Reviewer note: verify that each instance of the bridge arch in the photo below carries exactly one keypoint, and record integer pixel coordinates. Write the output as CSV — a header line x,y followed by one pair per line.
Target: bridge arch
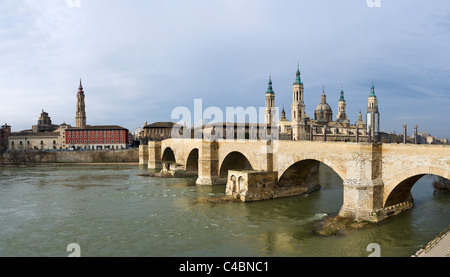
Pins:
x,y
192,160
309,161
398,190
168,156
302,176
234,160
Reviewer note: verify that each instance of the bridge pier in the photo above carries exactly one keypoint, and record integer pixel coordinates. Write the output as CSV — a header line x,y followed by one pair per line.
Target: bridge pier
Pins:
x,y
363,184
154,155
361,199
208,164
143,154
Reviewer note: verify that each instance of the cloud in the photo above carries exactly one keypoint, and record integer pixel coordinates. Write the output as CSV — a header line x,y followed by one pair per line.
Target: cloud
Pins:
x,y
140,59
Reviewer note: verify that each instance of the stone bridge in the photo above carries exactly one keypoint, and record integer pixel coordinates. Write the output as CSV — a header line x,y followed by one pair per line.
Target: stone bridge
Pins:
x,y
377,178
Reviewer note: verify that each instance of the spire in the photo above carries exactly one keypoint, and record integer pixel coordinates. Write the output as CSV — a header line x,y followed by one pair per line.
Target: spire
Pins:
x,y
269,89
298,79
323,98
360,119
283,114
80,88
372,91
342,94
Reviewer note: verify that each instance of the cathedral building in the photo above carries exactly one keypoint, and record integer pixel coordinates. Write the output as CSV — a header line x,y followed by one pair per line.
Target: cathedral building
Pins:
x,y
322,127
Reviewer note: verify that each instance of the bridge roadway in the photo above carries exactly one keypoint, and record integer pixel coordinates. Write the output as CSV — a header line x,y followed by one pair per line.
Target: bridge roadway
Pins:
x,y
377,178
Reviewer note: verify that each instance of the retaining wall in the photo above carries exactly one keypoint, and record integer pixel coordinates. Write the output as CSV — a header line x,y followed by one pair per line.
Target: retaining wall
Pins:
x,y
97,156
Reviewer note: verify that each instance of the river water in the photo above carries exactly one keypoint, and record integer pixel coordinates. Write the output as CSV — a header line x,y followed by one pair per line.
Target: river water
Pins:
x,y
110,211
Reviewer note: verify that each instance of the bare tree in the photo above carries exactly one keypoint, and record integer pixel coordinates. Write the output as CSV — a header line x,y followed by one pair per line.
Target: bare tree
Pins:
x,y
441,185
22,157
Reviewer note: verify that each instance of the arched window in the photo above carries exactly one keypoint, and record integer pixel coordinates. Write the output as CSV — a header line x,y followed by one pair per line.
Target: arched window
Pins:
x,y
240,183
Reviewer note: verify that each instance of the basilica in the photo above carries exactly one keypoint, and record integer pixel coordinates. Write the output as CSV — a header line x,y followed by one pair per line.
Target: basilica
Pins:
x,y
322,127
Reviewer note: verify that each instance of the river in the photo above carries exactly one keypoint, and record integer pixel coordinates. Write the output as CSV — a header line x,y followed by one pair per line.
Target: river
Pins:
x,y
110,211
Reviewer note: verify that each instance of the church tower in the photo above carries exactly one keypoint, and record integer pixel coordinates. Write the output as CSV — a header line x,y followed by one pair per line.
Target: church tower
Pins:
x,y
373,116
342,116
270,104
80,118
298,109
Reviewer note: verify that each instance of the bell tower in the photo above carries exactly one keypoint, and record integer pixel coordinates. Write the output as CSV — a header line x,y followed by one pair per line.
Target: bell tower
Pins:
x,y
298,109
342,116
373,116
80,118
270,104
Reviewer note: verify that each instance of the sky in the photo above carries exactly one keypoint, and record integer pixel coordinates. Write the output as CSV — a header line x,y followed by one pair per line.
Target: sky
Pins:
x,y
139,60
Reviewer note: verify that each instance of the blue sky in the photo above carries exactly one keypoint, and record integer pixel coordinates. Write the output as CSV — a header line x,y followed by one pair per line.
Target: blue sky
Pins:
x,y
141,59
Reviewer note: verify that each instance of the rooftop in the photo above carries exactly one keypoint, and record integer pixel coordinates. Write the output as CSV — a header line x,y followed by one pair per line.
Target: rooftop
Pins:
x,y
98,127
160,125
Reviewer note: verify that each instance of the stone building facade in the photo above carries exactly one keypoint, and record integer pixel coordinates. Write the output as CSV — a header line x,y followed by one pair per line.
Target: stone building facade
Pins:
x,y
157,131
43,136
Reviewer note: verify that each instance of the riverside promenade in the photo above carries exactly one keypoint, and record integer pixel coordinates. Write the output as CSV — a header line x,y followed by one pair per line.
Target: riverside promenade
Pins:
x,y
438,247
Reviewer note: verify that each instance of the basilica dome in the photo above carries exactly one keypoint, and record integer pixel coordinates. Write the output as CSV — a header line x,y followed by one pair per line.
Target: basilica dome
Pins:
x,y
323,111
323,106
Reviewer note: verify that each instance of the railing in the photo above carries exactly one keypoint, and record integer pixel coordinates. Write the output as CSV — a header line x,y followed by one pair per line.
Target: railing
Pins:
x,y
432,243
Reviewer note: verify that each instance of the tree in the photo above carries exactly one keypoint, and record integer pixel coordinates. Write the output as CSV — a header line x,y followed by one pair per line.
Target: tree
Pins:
x,y
441,185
